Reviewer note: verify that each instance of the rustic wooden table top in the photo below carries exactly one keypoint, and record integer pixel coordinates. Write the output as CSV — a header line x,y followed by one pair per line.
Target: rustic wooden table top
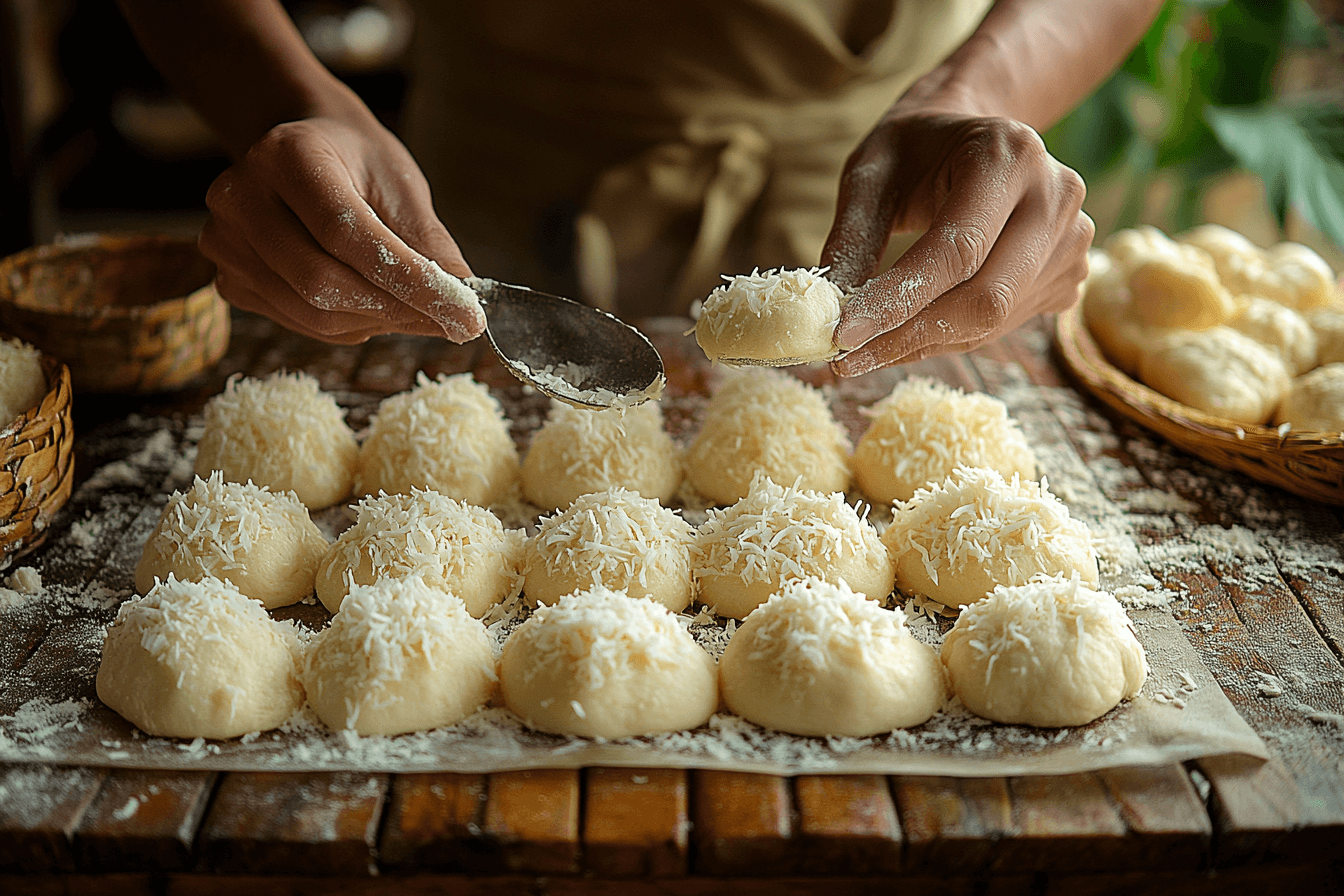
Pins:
x,y
1207,825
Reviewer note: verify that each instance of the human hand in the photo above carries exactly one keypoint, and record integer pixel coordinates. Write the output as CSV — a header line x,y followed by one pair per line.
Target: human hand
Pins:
x,y
327,227
1005,237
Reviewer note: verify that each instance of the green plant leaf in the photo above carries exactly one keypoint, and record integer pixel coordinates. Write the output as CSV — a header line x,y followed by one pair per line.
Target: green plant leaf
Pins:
x,y
1095,136
1248,39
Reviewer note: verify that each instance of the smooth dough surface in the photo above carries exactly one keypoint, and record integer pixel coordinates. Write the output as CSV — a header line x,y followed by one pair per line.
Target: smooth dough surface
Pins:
x,y
1315,401
598,663
1174,291
23,384
199,659
1049,653
956,541
774,318
820,659
454,546
1110,316
262,541
923,429
402,655
282,432
614,538
448,435
1220,371
1280,328
1328,325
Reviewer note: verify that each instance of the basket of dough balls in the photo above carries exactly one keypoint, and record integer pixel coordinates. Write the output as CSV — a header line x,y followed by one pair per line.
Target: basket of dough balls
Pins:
x,y
131,314
1232,352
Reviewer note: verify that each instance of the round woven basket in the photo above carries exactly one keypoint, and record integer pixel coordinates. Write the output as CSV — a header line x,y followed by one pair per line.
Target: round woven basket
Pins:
x,y
126,313
1308,464
36,466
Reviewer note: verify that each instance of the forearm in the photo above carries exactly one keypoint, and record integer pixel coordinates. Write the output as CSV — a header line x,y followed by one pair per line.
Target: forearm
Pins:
x,y
241,63
1034,60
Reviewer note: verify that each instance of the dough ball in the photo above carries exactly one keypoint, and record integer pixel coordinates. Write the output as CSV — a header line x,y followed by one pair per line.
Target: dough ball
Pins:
x,y
1219,371
1173,291
447,434
453,546
262,542
599,663
282,432
1315,401
1296,276
1280,328
774,318
402,655
745,553
199,659
1132,246
1237,260
1328,325
923,429
614,538
1110,316
1049,653
578,451
955,541
819,659
764,421
23,384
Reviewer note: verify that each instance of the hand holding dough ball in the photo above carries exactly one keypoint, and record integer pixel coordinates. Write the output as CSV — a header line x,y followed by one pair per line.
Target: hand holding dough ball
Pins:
x,y
23,384
774,319
199,659
1281,329
1315,401
402,655
448,435
613,538
767,422
1171,291
1219,371
599,663
747,552
923,429
955,541
282,432
579,451
819,659
454,546
262,542
1049,653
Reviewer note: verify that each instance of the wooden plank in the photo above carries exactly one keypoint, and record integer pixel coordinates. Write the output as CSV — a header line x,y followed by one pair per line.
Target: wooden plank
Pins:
x,y
1065,823
143,821
40,807
952,822
743,823
278,823
846,824
1165,816
532,817
635,822
435,822
1253,881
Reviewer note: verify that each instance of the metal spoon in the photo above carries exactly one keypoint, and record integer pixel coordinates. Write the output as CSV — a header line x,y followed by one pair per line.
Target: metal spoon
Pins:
x,y
578,354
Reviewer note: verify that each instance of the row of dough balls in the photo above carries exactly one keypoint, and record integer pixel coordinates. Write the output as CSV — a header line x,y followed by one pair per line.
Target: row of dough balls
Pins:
x,y
1214,322
23,383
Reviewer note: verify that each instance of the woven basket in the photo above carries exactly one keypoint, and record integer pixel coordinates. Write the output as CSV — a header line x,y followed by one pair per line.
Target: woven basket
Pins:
x,y
127,314
36,466
1308,464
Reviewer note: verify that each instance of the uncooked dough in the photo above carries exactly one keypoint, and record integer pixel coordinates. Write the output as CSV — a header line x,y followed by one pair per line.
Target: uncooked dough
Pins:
x,y
1315,401
1294,275
774,318
282,432
1173,291
402,655
1219,371
1328,325
447,434
454,546
923,429
199,659
1237,260
1110,315
745,553
614,538
599,663
957,540
262,541
23,384
1280,328
820,659
1049,653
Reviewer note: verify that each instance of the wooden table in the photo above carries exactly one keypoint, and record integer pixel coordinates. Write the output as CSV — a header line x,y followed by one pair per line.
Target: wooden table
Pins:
x,y
1209,825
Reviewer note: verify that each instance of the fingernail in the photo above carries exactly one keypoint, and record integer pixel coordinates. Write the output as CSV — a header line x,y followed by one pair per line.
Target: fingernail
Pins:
x,y
854,333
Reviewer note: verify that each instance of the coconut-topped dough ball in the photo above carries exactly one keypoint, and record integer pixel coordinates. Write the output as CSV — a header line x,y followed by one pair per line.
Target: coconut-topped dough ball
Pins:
x,y
199,659
448,435
820,659
23,384
402,655
1219,371
923,429
578,451
767,422
614,538
262,541
745,553
956,541
599,663
454,546
1049,653
1315,401
774,318
1280,328
282,432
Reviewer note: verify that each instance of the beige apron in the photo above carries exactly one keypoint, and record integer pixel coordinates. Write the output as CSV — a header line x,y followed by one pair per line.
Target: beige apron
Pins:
x,y
633,152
